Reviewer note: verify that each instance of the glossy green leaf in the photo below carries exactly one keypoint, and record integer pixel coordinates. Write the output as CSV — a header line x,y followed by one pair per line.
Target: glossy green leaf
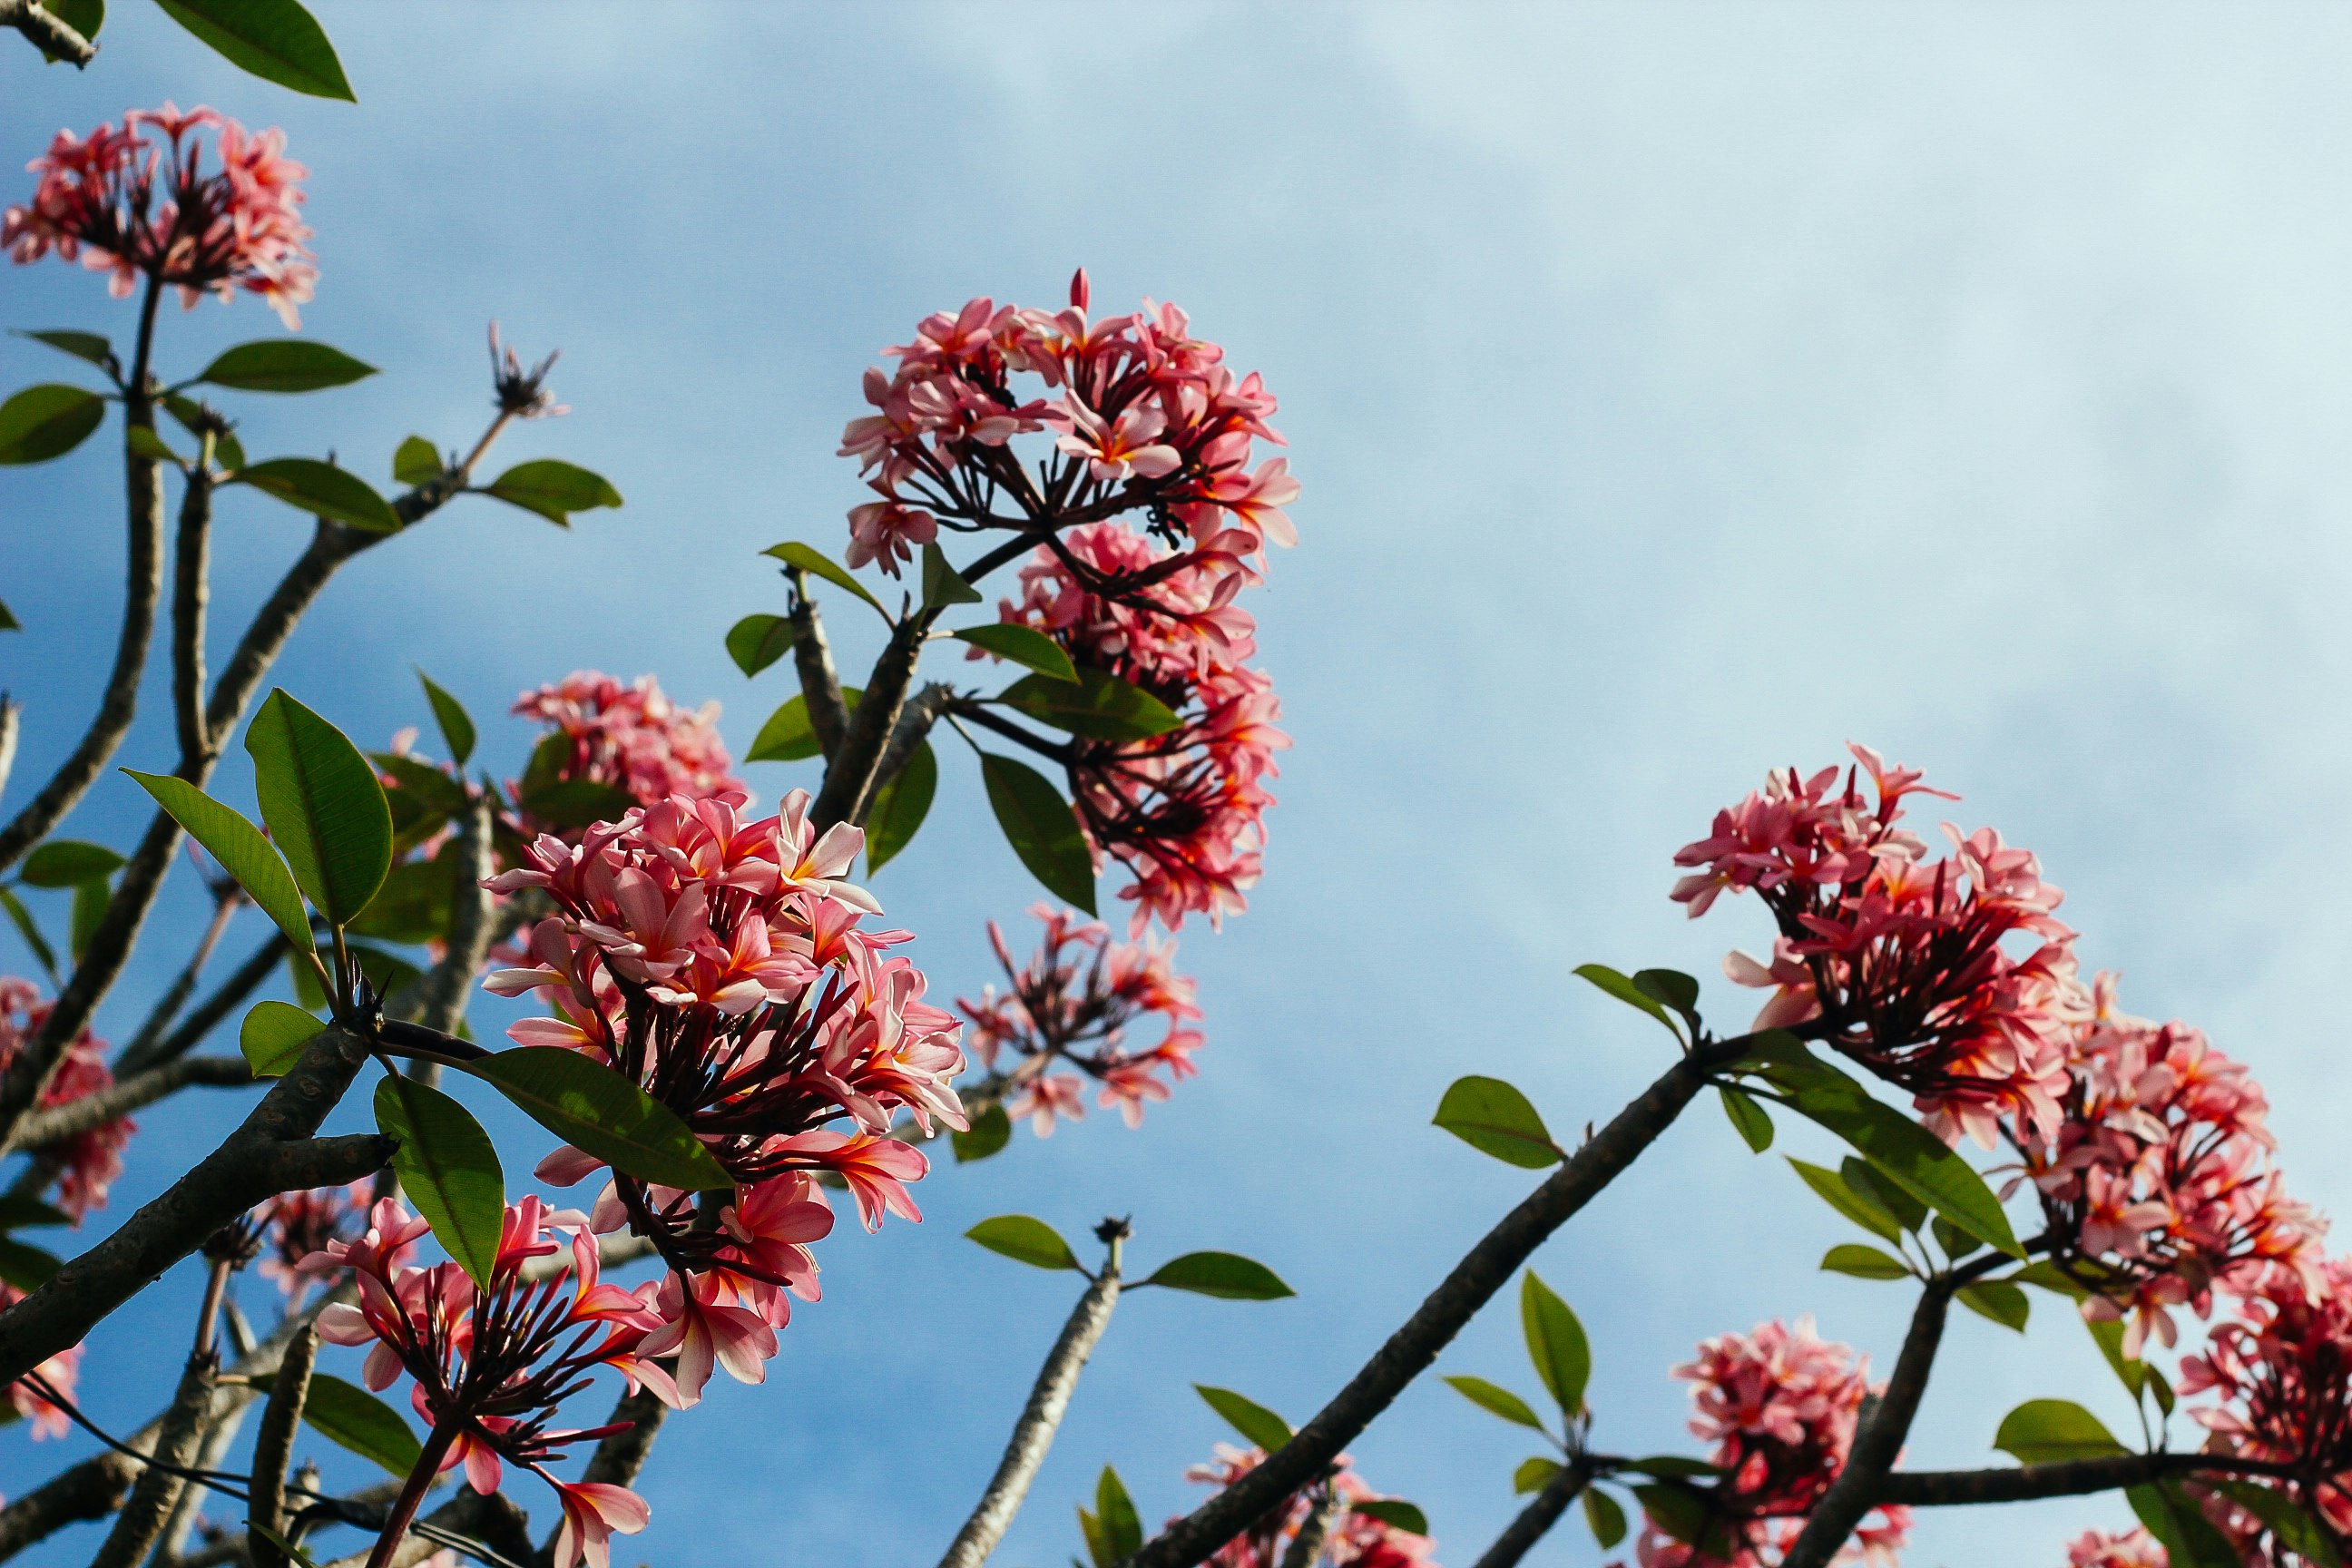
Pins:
x,y
284,365
941,585
1042,828
1752,1121
90,901
355,1419
66,862
1604,1516
20,1211
1495,1119
1227,1275
275,40
1680,1512
2045,1274
1999,1301
48,421
992,1130
1394,1512
324,491
427,786
899,807
1025,1240
294,1554
756,642
788,736
414,904
1023,646
25,1266
598,1111
577,803
274,1035
2044,1431
324,806
1957,1242
1533,1475
29,930
1671,988
144,442
1496,1400
810,558
1863,1178
239,848
1863,1262
86,346
1555,1342
457,725
1622,987
553,489
1835,1191
415,461
2289,1520
1099,707
2189,1538
449,1169
1252,1420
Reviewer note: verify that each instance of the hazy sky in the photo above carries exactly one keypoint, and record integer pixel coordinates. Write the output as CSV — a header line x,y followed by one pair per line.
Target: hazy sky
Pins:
x,y
1679,391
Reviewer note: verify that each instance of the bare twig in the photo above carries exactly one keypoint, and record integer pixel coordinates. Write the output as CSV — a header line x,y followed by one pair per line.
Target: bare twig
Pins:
x,y
273,1447
142,1050
1033,1434
47,34
1484,1271
59,1122
11,713
494,1522
241,982
191,591
849,777
2065,1477
1541,1513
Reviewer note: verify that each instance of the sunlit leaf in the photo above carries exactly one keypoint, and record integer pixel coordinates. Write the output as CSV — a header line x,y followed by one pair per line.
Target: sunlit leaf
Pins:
x,y
1495,1119
1025,1240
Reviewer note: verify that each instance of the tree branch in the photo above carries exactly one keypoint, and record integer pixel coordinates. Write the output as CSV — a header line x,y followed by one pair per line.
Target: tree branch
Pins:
x,y
2068,1478
242,983
914,721
273,1447
492,1521
74,1116
191,591
849,777
1542,1513
156,1494
812,659
1042,1416
48,35
448,985
1483,1271
1316,1527
11,712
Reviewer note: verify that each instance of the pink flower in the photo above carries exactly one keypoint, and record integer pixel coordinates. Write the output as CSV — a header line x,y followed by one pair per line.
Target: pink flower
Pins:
x,y
1356,1539
703,1329
46,1418
876,1170
2280,1374
632,737
2135,1548
1046,1097
129,207
301,1227
89,1162
880,531
593,1510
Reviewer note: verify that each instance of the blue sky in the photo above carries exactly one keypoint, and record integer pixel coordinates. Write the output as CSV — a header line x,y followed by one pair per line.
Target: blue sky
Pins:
x,y
1679,391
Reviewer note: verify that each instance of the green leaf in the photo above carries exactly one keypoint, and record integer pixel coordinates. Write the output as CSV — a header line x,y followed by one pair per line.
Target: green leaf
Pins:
x,y
84,17
323,804
239,848
942,587
275,40
1957,1242
1753,1122
1496,1400
1023,646
1555,1342
1533,1475
2107,1333
1042,828
20,1212
1908,1212
323,490
90,901
22,918
414,904
227,450
356,1419
1863,1262
2162,1389
1227,1275
1495,1119
1098,708
1676,1511
66,862
1623,987
1252,1420
27,1267
2289,1520
1833,1190
810,558
430,792
284,365
293,1553
756,642
415,461
8,621
1998,1300
2189,1538
899,807
1394,1512
274,1035
1122,1530
789,736
86,346
449,1169
577,803
2044,1431
553,489
457,724
1898,1148
992,1130
1098,1550
1025,1240
2045,1274
48,421
1670,987
1604,1516
144,442
601,1113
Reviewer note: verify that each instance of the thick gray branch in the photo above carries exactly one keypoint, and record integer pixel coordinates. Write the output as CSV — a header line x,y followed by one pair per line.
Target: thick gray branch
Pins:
x,y
156,1494
2068,1478
813,659
850,775
492,1521
273,1447
914,721
1535,1520
47,34
79,1116
191,592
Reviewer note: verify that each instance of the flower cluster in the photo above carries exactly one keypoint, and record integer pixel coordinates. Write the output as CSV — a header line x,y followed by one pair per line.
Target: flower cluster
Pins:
x,y
2158,1185
58,1371
491,1363
1897,960
299,1227
87,1163
129,206
1184,811
720,964
631,737
1355,1539
1073,1003
2134,1549
1780,1405
1148,418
